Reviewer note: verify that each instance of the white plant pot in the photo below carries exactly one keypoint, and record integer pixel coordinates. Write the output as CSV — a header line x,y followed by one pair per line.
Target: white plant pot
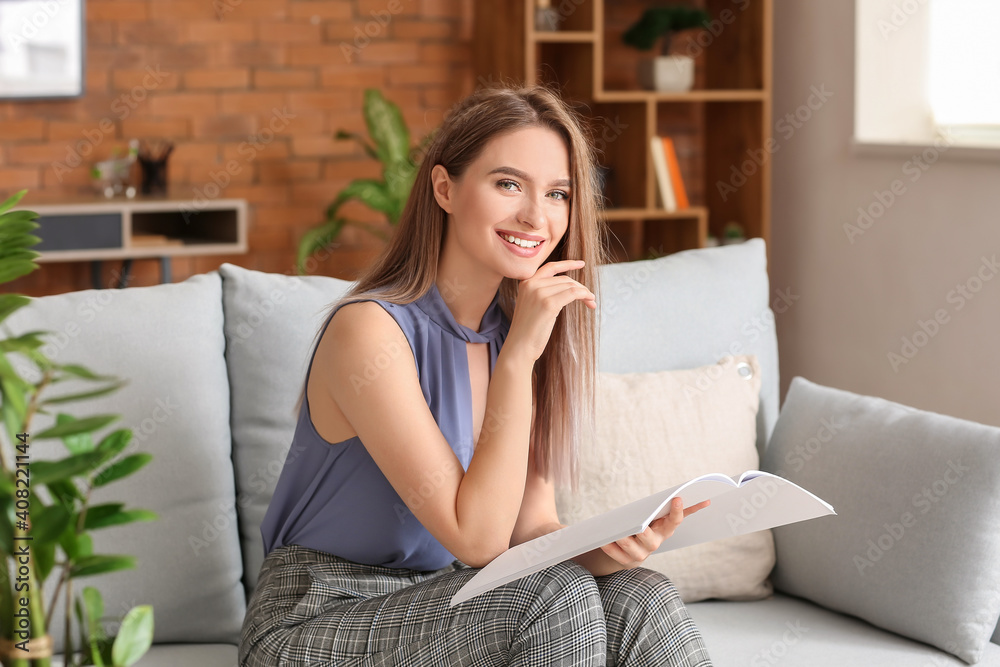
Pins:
x,y
674,74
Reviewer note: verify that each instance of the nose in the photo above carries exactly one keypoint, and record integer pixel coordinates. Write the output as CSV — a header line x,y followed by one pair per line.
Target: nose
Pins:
x,y
532,212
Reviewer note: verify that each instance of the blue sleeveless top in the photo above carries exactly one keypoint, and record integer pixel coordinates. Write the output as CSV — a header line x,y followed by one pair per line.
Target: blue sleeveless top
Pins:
x,y
332,497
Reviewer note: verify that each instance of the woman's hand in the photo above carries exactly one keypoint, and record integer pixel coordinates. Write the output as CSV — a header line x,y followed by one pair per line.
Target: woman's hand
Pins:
x,y
540,299
633,550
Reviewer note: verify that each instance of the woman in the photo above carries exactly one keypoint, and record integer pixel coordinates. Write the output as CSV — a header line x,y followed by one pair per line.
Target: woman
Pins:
x,y
442,404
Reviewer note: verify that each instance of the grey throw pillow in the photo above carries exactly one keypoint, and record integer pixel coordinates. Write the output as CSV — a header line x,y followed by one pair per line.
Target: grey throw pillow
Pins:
x,y
914,548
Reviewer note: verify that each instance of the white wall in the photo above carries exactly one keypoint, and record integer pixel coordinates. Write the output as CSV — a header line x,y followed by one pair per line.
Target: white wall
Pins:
x,y
856,301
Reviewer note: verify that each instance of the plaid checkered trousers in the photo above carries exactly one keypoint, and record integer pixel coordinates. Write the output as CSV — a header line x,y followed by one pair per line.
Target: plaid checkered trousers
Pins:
x,y
314,608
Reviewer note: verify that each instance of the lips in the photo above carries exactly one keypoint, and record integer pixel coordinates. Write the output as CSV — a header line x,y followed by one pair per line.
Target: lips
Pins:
x,y
520,241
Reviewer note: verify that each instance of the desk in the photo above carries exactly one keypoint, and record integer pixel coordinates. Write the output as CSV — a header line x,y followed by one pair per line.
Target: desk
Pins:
x,y
96,229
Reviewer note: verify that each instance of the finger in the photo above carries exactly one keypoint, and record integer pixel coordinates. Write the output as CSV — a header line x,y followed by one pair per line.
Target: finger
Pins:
x,y
575,291
552,268
648,540
615,551
694,508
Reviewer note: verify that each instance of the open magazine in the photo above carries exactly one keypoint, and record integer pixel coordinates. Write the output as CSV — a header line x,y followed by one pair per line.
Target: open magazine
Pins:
x,y
756,501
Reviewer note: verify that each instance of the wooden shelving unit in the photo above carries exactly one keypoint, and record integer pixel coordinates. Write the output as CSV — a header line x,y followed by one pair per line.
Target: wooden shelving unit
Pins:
x,y
722,127
96,229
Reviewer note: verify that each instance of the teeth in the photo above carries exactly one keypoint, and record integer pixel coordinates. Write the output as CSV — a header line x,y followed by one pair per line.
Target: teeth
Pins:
x,y
520,242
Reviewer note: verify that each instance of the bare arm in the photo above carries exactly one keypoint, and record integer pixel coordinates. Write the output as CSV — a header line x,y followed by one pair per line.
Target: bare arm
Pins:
x,y
471,513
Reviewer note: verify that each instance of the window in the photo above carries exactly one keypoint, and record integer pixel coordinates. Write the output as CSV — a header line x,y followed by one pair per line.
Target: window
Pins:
x,y
927,71
964,76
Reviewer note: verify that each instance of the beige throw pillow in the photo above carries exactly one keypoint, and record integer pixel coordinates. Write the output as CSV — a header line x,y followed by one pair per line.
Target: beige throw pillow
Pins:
x,y
657,430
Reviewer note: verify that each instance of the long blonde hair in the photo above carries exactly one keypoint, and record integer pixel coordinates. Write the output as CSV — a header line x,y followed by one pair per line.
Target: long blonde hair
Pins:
x,y
563,376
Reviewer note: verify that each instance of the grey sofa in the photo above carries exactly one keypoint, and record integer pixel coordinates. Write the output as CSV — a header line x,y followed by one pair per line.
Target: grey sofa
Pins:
x,y
215,364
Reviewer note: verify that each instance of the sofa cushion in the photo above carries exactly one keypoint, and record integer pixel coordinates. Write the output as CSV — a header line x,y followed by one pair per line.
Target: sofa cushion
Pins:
x,y
167,342
658,430
271,322
915,547
690,309
785,630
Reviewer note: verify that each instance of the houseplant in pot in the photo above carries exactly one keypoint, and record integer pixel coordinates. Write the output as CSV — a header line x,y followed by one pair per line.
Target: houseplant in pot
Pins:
x,y
666,72
390,145
46,513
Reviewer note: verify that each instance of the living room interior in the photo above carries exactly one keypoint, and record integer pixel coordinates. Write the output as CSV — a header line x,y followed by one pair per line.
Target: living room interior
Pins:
x,y
212,137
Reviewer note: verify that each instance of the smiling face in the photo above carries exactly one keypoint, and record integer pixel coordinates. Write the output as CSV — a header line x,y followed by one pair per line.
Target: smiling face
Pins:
x,y
511,207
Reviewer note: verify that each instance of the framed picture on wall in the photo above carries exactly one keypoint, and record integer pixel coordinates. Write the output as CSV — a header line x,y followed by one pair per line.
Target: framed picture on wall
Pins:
x,y
41,49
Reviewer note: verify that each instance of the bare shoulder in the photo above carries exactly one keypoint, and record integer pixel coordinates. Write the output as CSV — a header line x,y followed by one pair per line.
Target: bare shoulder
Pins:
x,y
361,334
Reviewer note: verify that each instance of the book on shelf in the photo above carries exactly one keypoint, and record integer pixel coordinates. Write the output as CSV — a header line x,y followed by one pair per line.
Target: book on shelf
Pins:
x,y
756,500
670,184
674,167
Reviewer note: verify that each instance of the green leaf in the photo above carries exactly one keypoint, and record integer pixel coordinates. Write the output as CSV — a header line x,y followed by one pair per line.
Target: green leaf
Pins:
x,y
83,372
16,219
386,127
6,485
24,343
44,472
21,240
44,555
316,239
97,513
118,518
7,524
68,398
95,638
95,610
79,443
17,265
341,134
122,468
11,202
76,545
15,392
65,492
48,523
14,224
113,443
99,564
135,636
84,425
11,302
372,193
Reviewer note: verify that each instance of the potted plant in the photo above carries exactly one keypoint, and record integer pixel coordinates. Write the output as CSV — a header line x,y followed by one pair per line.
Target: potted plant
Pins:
x,y
40,536
666,72
390,144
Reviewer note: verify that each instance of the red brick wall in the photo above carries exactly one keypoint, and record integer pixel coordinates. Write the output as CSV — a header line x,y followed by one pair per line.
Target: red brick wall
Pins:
x,y
209,75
